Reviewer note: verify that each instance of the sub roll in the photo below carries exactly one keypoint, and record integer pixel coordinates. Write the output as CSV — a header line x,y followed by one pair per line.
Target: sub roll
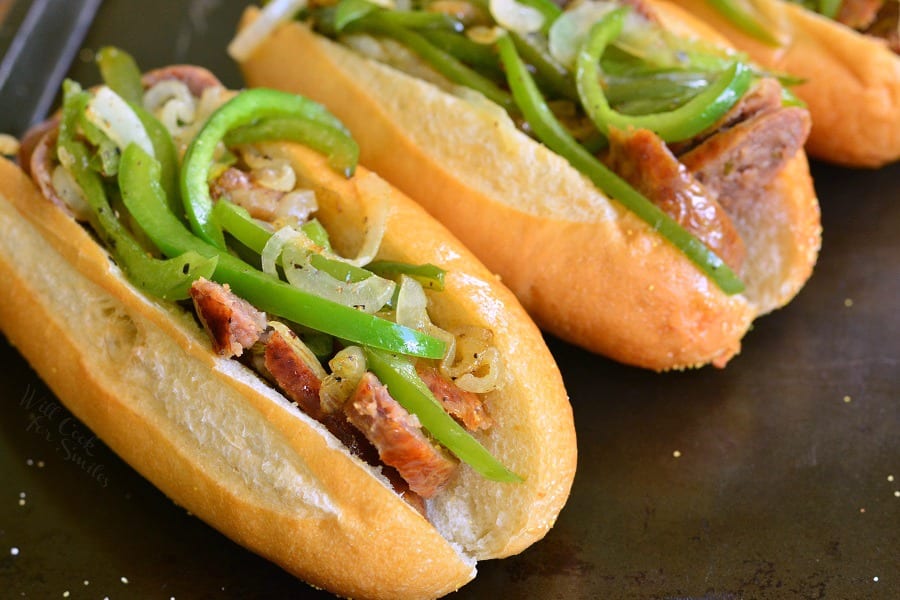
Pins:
x,y
279,340
640,186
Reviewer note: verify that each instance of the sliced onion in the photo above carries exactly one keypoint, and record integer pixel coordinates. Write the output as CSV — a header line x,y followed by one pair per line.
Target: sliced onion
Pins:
x,y
295,250
476,365
491,368
368,295
165,91
70,192
112,115
516,17
274,247
211,99
570,29
295,208
640,36
172,103
347,367
412,305
279,176
375,193
273,14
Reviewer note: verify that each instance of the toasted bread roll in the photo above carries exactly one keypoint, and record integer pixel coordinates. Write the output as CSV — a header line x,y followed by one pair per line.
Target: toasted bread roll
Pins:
x,y
588,270
217,439
851,80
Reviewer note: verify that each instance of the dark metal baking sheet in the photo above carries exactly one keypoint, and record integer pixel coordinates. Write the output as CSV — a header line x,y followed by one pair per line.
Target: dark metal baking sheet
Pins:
x,y
776,477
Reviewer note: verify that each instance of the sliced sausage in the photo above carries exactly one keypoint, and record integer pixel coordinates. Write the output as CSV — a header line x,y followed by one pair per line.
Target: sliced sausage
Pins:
x,y
233,323
465,407
399,438
643,160
735,164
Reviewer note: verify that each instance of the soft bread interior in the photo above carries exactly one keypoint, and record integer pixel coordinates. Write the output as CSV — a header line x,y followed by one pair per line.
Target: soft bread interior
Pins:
x,y
586,269
214,438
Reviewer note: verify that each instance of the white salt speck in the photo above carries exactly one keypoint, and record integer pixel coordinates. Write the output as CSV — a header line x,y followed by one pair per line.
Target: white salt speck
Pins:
x,y
14,551
86,582
848,302
847,399
677,454
66,594
124,580
875,578
897,493
29,462
890,477
21,501
40,464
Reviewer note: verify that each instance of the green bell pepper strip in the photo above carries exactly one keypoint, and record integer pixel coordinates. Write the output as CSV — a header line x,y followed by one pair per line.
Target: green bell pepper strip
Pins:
x,y
661,89
377,23
419,21
145,200
430,276
744,20
168,279
246,108
165,153
480,57
682,123
408,389
317,233
238,222
342,150
121,73
547,8
829,8
558,139
555,77
348,11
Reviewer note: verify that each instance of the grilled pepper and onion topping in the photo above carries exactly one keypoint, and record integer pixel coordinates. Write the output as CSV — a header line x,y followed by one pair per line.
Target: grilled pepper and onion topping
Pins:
x,y
163,170
592,82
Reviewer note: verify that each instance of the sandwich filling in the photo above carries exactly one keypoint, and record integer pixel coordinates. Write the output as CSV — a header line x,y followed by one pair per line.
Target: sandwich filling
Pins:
x,y
165,172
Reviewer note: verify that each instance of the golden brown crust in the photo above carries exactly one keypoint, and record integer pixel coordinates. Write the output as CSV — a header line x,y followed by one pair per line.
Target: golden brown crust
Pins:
x,y
220,443
588,271
852,83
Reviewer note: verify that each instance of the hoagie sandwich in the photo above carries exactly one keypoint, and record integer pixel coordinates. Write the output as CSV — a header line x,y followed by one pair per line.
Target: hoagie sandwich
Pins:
x,y
374,424
645,193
